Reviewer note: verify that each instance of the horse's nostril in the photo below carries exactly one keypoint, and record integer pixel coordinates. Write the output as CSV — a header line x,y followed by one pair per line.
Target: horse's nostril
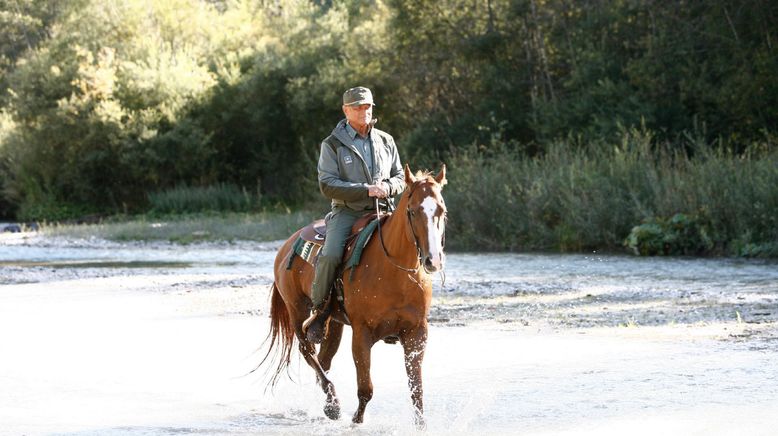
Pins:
x,y
428,265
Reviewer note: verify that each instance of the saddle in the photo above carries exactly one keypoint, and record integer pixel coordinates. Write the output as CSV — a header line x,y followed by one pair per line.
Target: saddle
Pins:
x,y
314,232
312,237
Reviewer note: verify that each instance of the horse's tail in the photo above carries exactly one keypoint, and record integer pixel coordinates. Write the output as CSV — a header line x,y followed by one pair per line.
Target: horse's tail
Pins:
x,y
281,335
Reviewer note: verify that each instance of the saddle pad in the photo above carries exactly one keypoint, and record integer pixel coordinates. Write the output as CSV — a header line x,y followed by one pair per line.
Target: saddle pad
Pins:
x,y
359,245
306,249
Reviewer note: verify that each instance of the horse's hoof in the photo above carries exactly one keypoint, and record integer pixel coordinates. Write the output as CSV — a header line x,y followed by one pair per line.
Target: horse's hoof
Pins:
x,y
314,337
357,419
421,424
332,410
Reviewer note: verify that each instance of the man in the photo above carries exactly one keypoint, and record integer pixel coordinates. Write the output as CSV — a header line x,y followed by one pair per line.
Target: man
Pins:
x,y
357,165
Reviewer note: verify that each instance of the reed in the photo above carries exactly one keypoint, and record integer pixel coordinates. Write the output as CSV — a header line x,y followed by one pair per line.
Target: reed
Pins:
x,y
574,198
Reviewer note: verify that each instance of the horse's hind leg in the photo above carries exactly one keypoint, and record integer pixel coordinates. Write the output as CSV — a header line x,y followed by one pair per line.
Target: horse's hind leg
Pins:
x,y
308,350
330,345
414,344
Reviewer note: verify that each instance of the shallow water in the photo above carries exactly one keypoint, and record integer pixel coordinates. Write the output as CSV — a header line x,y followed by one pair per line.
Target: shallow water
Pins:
x,y
109,338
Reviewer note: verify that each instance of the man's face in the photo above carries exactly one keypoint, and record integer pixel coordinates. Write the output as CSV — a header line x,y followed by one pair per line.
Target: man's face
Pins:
x,y
360,115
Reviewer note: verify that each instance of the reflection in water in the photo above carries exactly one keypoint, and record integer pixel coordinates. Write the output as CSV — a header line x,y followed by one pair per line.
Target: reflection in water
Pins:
x,y
95,264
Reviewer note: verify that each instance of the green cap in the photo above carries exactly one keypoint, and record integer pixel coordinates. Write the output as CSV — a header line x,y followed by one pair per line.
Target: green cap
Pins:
x,y
357,96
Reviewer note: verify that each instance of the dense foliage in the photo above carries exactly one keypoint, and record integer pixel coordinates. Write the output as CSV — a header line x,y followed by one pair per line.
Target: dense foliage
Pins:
x,y
108,104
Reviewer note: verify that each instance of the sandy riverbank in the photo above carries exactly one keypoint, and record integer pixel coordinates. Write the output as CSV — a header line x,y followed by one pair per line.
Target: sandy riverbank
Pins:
x,y
164,349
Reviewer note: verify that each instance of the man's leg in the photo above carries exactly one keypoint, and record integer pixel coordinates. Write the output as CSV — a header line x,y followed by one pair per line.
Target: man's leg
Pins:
x,y
338,229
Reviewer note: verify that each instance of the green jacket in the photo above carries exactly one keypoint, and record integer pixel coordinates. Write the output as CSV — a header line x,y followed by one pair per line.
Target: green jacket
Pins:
x,y
344,175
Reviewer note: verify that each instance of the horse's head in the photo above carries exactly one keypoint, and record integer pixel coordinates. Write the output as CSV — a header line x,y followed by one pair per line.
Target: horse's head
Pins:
x,y
427,216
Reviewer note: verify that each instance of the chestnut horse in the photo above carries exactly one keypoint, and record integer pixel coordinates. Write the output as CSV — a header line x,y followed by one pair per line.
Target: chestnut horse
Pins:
x,y
387,295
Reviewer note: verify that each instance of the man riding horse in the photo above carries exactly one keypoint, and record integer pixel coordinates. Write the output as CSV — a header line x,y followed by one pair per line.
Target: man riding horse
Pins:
x,y
357,165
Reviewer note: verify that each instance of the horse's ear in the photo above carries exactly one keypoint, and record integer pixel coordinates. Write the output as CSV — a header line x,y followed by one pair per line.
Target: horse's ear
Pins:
x,y
408,175
441,177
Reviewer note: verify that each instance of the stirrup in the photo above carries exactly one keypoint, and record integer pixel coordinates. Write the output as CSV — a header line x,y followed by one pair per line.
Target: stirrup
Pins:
x,y
308,321
315,326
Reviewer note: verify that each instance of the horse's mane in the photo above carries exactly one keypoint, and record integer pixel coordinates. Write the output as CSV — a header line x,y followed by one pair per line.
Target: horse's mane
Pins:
x,y
428,177
423,174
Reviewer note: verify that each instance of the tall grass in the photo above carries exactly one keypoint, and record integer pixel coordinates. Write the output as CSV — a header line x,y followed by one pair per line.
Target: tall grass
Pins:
x,y
585,198
186,199
262,226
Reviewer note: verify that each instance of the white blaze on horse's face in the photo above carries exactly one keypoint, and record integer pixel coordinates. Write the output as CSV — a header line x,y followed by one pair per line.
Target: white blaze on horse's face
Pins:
x,y
436,227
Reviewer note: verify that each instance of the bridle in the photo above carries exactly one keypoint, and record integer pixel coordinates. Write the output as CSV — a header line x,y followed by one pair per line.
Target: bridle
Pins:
x,y
415,241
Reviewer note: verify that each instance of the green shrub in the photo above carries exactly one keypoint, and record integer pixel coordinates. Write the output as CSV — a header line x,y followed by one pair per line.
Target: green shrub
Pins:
x,y
769,249
51,211
647,239
680,235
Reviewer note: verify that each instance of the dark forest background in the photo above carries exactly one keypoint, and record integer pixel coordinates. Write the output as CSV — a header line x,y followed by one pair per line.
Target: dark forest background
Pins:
x,y
564,124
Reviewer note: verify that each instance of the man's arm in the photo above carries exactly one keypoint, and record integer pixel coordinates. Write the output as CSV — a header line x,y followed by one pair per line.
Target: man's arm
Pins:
x,y
330,184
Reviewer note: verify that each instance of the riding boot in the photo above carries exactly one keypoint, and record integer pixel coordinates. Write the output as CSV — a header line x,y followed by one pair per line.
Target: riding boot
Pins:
x,y
316,326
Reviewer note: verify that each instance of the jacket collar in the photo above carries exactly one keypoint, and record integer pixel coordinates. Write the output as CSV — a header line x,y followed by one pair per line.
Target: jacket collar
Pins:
x,y
345,133
341,133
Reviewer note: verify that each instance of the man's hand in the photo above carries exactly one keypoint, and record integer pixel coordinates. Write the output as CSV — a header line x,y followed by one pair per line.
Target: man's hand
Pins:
x,y
379,190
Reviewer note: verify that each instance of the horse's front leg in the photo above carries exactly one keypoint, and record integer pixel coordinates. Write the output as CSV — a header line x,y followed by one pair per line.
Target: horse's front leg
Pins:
x,y
361,345
414,343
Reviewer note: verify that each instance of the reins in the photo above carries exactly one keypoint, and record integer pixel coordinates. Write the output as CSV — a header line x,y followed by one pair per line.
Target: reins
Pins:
x,y
386,253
